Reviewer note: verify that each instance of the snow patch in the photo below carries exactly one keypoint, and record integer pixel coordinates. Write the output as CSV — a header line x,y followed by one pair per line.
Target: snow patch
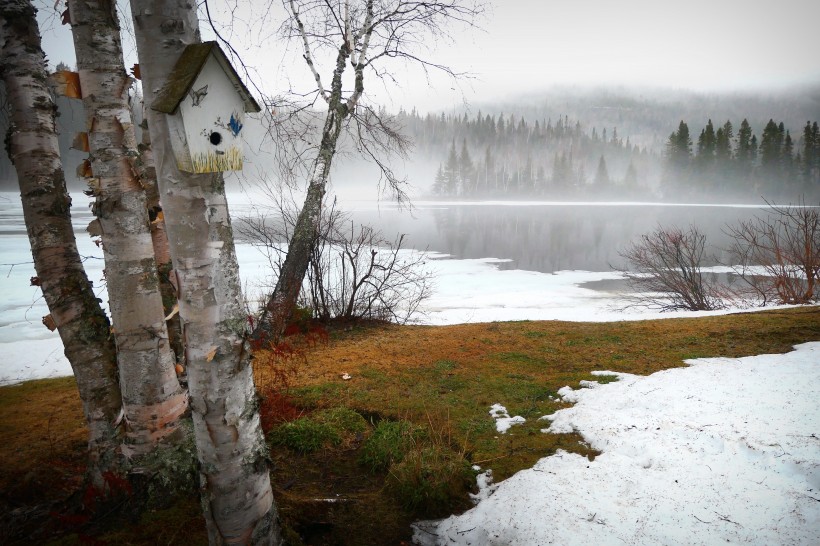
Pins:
x,y
503,421
724,451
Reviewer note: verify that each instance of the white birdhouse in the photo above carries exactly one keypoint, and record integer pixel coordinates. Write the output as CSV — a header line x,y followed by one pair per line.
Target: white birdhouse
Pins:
x,y
206,104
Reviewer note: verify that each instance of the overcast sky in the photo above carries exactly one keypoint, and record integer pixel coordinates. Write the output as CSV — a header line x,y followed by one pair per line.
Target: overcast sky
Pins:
x,y
526,45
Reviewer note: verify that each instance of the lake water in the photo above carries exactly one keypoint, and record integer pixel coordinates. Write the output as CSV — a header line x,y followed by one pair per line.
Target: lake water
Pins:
x,y
547,236
490,261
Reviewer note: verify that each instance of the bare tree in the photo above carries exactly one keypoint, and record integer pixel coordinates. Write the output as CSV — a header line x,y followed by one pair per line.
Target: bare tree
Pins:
x,y
666,272
354,271
237,498
778,257
152,397
74,308
359,36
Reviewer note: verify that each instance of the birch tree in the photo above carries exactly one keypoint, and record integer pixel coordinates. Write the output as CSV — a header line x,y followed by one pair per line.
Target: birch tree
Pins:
x,y
74,308
147,173
152,398
237,499
359,36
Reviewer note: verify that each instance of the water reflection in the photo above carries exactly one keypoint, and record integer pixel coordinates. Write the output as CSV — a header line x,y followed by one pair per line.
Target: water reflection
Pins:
x,y
550,237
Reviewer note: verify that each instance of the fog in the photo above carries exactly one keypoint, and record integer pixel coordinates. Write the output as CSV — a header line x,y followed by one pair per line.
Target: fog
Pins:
x,y
633,69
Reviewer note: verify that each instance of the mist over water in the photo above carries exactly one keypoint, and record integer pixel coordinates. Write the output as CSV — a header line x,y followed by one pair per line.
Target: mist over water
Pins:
x,y
546,237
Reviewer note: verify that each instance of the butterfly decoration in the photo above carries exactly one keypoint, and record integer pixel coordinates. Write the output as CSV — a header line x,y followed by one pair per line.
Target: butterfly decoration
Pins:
x,y
234,125
197,95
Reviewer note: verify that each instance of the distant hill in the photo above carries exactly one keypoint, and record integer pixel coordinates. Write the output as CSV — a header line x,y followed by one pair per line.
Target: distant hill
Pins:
x,y
647,116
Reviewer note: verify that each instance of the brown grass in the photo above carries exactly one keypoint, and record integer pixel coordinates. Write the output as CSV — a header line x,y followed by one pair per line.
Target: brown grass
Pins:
x,y
442,377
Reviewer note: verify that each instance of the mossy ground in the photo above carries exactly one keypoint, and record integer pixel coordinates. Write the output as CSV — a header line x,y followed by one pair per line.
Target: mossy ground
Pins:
x,y
441,379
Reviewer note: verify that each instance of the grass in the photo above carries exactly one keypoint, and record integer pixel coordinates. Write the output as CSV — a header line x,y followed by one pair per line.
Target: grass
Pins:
x,y
322,429
440,380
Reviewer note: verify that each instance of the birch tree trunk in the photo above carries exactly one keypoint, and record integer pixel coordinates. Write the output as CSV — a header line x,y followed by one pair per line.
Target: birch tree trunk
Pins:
x,y
152,397
236,494
74,308
356,33
280,306
162,251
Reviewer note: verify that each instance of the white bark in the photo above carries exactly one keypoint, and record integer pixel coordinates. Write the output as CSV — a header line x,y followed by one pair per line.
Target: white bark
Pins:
x,y
152,397
236,493
74,308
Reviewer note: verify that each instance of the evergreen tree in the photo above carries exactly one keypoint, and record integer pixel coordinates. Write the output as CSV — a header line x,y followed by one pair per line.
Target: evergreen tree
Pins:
x,y
466,170
631,177
787,158
771,144
679,149
810,152
440,182
754,149
743,154
489,170
601,175
707,142
723,145
451,172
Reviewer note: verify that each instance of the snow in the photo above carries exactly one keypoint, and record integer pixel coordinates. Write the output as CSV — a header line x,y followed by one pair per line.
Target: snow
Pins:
x,y
723,451
503,421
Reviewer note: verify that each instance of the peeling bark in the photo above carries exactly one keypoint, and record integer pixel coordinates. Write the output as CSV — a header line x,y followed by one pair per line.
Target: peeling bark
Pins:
x,y
236,494
74,308
152,397
162,252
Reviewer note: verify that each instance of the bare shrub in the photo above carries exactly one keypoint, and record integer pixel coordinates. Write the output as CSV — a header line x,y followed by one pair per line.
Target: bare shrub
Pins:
x,y
666,273
778,257
354,271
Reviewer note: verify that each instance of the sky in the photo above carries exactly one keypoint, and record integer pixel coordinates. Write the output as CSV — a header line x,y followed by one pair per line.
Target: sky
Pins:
x,y
521,46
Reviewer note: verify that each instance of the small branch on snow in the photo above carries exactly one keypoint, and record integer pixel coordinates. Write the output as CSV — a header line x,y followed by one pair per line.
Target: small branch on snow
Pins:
x,y
700,520
726,518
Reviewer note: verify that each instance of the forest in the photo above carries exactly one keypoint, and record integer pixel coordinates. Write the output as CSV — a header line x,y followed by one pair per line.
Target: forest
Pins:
x,y
505,156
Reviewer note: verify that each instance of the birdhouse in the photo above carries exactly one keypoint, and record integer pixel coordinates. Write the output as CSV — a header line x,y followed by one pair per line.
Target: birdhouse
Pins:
x,y
206,104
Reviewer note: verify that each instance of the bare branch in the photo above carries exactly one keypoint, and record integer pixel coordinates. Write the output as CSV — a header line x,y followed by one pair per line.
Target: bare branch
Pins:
x,y
666,272
308,56
778,257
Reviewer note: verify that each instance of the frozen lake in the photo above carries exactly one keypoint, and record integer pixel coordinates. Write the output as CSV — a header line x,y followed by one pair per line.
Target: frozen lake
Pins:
x,y
490,261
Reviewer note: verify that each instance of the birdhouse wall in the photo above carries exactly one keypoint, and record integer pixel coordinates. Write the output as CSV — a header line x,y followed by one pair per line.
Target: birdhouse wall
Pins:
x,y
210,120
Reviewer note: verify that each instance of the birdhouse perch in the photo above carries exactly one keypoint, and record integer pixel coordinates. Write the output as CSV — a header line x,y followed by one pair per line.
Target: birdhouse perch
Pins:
x,y
206,102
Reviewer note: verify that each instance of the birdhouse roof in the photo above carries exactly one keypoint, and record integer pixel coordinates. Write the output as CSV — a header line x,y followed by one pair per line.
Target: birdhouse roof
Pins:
x,y
185,73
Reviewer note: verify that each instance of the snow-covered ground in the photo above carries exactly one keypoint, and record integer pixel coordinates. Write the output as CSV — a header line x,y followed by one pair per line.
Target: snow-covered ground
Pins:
x,y
726,451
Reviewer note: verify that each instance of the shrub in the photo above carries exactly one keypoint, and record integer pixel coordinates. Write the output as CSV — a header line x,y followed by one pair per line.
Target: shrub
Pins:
x,y
343,419
389,443
320,430
666,272
306,435
778,256
354,272
431,481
